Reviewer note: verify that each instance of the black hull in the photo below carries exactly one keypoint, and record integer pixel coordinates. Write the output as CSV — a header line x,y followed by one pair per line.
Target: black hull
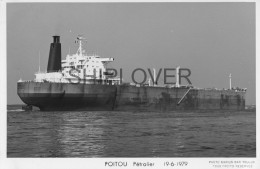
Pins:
x,y
95,97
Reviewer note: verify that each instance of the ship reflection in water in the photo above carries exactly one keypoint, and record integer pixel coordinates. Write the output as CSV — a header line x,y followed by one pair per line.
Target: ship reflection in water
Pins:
x,y
131,134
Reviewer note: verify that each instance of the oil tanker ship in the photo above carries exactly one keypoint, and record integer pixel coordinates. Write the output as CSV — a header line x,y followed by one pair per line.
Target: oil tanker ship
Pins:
x,y
82,81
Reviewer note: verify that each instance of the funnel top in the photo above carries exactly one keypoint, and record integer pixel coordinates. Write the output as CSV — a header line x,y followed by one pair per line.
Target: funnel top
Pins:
x,y
56,39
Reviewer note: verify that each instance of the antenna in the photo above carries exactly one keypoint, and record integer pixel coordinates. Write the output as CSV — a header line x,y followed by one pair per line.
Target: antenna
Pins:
x,y
230,85
39,61
20,80
70,31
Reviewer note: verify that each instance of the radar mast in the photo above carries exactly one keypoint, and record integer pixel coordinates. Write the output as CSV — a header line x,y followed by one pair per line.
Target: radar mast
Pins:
x,y
80,40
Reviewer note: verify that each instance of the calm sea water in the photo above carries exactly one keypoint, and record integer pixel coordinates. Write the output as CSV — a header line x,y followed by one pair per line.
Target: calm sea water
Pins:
x,y
130,134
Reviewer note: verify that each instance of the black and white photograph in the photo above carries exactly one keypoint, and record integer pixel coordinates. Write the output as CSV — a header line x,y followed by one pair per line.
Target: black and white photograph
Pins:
x,y
134,84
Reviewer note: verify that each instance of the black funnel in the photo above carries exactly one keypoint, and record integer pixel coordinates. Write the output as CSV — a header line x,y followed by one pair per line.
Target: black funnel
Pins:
x,y
54,63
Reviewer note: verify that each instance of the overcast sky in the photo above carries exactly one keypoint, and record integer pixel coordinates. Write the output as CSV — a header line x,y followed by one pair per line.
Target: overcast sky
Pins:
x,y
211,39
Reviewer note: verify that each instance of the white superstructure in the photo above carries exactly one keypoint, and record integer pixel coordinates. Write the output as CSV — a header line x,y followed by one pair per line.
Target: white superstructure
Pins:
x,y
81,68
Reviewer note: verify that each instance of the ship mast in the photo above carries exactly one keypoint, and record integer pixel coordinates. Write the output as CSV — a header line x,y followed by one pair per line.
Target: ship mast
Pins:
x,y
39,61
230,85
177,77
79,40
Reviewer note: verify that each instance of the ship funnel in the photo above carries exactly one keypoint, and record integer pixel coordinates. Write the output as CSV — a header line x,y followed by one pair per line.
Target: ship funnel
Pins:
x,y
54,63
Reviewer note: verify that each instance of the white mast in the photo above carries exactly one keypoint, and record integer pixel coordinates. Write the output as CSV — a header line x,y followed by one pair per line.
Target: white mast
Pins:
x,y
230,85
149,82
177,77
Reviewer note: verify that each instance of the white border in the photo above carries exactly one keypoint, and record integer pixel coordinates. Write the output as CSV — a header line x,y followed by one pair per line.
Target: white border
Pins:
x,y
98,163
3,87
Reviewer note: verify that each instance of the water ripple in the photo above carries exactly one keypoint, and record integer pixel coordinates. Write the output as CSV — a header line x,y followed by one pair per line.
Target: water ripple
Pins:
x,y
131,134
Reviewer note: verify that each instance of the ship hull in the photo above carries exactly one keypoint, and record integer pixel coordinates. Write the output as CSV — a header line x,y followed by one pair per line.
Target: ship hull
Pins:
x,y
67,96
